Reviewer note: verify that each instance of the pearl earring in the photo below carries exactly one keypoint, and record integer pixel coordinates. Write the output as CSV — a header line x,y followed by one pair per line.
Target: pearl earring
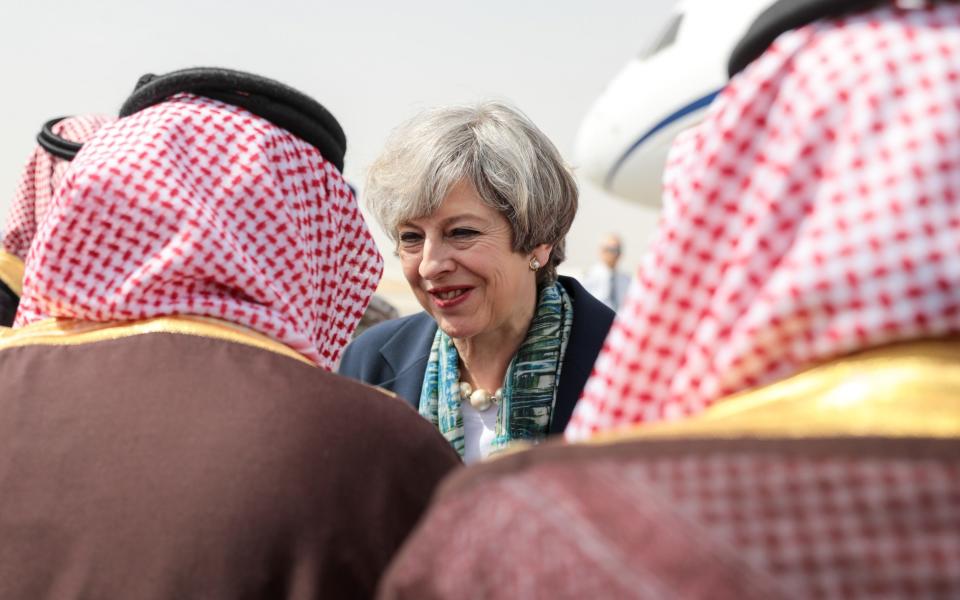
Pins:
x,y
534,264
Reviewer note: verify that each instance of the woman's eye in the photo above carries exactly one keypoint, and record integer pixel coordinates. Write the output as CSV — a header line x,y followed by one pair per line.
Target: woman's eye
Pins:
x,y
461,233
409,237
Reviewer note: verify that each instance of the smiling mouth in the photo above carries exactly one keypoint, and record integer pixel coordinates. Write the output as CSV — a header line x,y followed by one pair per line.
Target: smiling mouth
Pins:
x,y
449,296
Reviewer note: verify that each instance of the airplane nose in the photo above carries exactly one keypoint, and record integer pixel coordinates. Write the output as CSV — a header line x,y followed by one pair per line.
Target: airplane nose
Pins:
x,y
623,142
606,129
595,146
614,148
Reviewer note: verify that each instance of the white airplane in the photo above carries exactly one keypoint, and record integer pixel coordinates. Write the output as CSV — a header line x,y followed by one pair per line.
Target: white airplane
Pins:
x,y
623,141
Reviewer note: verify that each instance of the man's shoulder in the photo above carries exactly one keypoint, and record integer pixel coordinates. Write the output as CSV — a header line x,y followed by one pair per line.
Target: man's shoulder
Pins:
x,y
596,270
597,278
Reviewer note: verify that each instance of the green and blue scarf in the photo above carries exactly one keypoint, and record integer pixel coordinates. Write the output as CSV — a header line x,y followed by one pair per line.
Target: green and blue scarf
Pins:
x,y
530,385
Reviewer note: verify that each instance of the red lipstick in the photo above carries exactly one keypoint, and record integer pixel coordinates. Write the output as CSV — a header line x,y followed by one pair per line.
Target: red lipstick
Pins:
x,y
449,296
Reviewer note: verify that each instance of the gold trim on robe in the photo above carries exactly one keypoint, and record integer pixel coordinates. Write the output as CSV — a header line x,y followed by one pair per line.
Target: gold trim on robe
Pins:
x,y
910,389
69,332
11,272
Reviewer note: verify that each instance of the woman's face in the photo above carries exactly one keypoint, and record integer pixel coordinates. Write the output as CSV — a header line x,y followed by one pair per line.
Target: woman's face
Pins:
x,y
460,264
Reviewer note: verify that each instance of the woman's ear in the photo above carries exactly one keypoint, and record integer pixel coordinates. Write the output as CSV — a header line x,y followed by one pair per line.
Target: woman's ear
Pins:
x,y
542,253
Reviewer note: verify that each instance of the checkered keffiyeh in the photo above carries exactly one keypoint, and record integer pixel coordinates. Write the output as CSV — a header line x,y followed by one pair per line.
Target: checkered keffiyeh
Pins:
x,y
39,180
718,519
197,207
815,212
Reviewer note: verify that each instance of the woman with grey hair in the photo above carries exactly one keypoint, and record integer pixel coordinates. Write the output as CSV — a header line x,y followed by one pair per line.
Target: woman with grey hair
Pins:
x,y
478,202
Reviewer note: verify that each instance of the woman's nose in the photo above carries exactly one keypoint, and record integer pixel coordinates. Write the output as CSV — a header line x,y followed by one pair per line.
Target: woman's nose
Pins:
x,y
435,260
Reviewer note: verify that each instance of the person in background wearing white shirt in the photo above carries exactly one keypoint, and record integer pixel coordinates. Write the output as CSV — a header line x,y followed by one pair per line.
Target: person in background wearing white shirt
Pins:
x,y
603,280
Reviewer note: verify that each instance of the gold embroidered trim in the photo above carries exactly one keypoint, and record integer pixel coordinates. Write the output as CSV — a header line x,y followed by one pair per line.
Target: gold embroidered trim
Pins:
x,y
904,390
68,332
11,272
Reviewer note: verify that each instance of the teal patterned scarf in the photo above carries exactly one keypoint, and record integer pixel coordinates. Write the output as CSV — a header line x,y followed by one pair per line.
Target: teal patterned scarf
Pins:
x,y
530,385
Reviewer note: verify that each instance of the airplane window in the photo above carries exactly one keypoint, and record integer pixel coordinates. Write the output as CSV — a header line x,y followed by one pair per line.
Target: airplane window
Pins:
x,y
666,38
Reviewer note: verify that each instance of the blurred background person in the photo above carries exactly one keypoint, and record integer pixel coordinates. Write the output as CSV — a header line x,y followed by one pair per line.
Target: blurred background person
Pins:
x,y
378,311
790,353
478,202
168,423
604,280
58,143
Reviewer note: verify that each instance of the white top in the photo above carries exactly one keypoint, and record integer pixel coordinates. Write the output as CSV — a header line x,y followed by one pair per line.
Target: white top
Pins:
x,y
479,431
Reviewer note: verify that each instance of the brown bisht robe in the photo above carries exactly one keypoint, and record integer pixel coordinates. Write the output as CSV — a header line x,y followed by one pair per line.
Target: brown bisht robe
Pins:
x,y
840,482
187,458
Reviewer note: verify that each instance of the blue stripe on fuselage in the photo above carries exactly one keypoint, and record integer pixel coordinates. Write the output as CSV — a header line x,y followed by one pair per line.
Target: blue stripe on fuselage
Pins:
x,y
679,114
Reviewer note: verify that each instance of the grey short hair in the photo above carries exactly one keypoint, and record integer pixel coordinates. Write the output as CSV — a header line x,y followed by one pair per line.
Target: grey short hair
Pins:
x,y
513,166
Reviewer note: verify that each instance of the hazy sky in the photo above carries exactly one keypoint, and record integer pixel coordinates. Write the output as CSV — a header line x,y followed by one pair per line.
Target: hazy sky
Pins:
x,y
372,64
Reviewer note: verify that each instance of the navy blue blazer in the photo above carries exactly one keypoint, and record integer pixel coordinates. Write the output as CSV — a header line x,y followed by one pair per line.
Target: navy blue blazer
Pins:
x,y
393,355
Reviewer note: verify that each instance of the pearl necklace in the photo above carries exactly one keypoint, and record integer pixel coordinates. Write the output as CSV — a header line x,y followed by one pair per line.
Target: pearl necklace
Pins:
x,y
479,399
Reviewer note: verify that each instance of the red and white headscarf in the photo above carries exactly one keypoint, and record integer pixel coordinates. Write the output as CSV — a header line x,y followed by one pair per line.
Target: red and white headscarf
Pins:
x,y
198,207
38,182
815,212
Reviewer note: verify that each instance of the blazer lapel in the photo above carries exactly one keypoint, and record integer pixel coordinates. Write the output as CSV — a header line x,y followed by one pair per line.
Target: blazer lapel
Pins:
x,y
406,353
